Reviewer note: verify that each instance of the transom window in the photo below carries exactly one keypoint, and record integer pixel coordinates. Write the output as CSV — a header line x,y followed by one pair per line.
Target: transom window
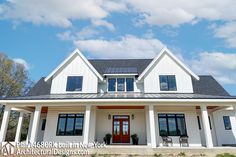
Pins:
x,y
227,123
120,84
70,124
167,83
74,83
172,125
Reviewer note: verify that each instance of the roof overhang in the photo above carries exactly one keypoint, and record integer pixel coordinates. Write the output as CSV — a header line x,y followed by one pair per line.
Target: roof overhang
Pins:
x,y
210,101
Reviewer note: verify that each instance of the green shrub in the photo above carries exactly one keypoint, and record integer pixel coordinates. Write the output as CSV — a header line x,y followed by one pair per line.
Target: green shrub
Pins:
x,y
225,155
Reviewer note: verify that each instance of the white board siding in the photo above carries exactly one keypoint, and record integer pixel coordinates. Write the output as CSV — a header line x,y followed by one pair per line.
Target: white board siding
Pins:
x,y
51,124
225,136
167,66
137,125
75,67
191,124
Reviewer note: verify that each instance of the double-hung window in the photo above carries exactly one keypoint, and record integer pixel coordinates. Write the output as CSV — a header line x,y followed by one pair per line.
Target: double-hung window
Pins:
x,y
172,125
74,83
167,83
70,125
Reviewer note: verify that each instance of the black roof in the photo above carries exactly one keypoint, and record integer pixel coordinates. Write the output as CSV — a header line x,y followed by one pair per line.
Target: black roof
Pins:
x,y
206,87
121,66
209,86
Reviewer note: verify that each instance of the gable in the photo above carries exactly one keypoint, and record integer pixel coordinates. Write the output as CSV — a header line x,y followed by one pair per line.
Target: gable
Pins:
x,y
159,57
166,65
76,53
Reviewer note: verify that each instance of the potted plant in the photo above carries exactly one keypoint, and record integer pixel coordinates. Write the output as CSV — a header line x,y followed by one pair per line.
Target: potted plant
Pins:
x,y
134,138
107,139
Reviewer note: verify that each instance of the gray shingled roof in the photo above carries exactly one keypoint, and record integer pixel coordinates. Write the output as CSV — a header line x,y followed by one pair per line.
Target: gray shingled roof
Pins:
x,y
103,65
207,85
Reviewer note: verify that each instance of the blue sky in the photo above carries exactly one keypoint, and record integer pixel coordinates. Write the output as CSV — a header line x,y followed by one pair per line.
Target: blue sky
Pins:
x,y
40,34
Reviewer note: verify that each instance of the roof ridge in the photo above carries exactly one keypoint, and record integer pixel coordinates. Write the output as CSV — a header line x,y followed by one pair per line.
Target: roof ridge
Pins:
x,y
120,59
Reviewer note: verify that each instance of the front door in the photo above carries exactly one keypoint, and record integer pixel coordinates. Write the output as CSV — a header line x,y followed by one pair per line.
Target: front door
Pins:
x,y
121,129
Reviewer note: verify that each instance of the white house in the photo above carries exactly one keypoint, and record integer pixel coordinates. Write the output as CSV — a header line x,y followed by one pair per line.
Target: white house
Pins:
x,y
82,100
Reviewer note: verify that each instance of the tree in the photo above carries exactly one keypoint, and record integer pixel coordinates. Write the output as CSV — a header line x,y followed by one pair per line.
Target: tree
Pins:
x,y
14,81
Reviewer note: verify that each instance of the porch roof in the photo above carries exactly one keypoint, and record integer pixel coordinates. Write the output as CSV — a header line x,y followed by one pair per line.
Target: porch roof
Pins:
x,y
121,96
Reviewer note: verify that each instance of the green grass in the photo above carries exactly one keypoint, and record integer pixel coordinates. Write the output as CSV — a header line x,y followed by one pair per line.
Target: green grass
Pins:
x,y
225,155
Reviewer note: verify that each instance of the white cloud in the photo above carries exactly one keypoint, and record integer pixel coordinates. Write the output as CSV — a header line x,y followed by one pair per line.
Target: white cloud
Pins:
x,y
227,32
221,65
22,62
104,23
57,12
126,47
176,12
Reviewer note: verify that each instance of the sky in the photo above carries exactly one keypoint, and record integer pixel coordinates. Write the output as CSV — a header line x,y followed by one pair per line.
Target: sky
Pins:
x,y
40,34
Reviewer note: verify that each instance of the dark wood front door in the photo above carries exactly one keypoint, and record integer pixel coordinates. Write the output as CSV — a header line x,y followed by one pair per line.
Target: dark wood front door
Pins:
x,y
121,129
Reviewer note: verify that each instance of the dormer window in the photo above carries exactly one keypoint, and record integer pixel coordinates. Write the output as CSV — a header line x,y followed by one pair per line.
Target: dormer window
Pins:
x,y
167,83
120,84
74,83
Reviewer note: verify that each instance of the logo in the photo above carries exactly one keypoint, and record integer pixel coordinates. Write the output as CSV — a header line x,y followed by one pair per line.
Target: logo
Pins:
x,y
7,149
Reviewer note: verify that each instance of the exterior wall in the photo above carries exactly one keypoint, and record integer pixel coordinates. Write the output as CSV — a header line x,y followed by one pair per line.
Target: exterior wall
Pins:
x,y
103,86
225,136
40,131
213,130
137,125
51,124
76,67
191,124
167,66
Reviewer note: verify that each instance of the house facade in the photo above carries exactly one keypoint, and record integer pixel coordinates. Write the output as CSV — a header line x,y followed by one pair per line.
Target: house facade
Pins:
x,y
83,100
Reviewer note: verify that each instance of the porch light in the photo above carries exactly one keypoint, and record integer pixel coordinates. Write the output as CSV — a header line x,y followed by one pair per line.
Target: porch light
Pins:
x,y
109,116
132,116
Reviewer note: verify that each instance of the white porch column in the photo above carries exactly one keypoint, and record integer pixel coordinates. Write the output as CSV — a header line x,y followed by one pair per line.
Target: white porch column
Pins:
x,y
35,124
5,121
206,126
19,126
234,107
86,123
147,127
30,127
152,126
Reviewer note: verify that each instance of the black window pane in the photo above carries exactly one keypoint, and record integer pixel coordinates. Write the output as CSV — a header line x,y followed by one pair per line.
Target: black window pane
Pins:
x,y
120,84
74,83
172,124
209,121
167,83
227,123
172,127
61,126
163,83
129,84
199,124
111,84
171,83
181,126
79,126
43,124
70,126
163,127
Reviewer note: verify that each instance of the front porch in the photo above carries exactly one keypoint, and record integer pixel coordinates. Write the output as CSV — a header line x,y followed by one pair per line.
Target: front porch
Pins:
x,y
143,120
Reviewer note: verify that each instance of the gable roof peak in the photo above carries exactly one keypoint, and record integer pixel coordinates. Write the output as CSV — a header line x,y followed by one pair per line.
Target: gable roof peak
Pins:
x,y
163,51
75,52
